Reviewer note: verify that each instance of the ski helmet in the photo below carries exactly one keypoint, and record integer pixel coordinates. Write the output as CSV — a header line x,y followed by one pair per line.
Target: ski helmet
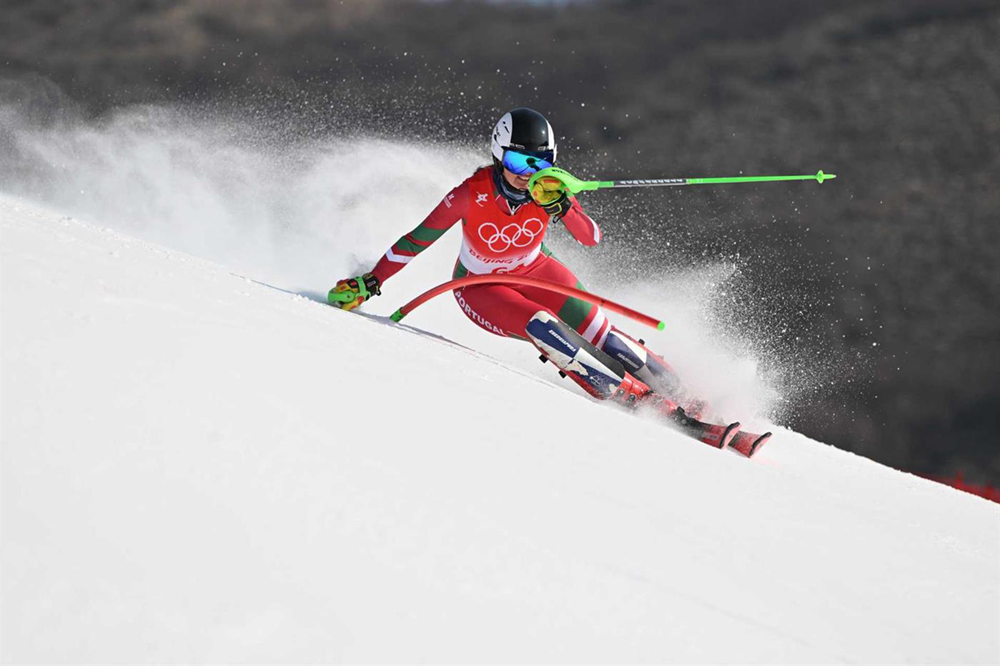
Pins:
x,y
525,130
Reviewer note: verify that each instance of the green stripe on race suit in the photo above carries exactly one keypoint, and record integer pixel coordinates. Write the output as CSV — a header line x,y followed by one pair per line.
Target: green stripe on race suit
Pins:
x,y
574,311
403,244
427,234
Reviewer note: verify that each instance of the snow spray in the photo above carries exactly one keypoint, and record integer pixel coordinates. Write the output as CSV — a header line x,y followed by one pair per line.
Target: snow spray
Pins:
x,y
300,214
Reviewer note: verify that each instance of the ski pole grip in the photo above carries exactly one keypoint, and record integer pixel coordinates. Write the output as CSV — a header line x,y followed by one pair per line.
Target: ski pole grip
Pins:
x,y
569,182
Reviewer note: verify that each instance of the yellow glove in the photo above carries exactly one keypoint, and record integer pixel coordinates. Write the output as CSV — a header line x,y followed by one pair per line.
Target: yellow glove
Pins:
x,y
547,191
550,194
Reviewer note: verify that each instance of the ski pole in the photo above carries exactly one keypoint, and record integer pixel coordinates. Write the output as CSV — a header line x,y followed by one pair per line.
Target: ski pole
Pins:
x,y
574,185
600,301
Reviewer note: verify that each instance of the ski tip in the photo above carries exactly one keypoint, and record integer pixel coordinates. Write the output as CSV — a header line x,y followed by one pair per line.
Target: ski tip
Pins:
x,y
729,434
661,325
748,443
758,443
397,316
820,176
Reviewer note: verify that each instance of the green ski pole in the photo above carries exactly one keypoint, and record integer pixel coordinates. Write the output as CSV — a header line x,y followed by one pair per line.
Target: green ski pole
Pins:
x,y
574,185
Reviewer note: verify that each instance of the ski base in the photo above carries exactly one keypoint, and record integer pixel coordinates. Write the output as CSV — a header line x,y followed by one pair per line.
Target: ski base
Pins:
x,y
748,443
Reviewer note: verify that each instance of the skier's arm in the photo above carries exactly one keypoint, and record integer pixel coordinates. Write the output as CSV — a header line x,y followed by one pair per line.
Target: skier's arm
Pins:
x,y
452,208
584,229
554,200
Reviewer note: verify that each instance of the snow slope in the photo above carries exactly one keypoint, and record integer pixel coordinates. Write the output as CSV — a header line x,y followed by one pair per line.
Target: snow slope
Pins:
x,y
199,467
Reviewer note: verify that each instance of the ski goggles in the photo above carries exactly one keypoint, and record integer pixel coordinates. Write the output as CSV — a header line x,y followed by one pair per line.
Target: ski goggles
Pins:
x,y
522,163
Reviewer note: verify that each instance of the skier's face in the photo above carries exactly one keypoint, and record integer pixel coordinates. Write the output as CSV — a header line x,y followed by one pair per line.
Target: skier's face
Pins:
x,y
516,181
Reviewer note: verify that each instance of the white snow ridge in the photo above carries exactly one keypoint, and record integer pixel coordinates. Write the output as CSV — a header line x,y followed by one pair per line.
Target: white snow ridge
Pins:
x,y
197,467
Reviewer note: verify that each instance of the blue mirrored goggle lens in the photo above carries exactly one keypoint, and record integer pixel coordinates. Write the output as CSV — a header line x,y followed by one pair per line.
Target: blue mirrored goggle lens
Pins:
x,y
522,163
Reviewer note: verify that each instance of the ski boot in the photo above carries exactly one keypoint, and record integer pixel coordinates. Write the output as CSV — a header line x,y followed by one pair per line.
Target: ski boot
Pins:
x,y
651,369
605,378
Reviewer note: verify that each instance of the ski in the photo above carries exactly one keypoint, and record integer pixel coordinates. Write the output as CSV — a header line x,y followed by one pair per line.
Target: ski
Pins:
x,y
713,434
741,441
718,435
748,443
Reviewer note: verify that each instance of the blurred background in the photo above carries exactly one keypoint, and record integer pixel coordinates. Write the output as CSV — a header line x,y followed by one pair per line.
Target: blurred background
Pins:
x,y
874,298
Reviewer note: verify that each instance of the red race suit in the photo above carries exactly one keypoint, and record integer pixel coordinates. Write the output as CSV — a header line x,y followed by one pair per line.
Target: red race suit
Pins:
x,y
498,237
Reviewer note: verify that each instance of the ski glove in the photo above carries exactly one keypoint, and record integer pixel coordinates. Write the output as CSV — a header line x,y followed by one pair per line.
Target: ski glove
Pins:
x,y
352,292
559,207
551,196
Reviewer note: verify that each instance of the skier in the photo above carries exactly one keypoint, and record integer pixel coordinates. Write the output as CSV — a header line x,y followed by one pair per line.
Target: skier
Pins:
x,y
503,229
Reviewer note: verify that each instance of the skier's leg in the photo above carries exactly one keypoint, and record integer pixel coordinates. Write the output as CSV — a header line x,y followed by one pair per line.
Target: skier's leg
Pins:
x,y
498,308
505,311
494,307
585,318
642,362
653,370
589,321
597,373
605,378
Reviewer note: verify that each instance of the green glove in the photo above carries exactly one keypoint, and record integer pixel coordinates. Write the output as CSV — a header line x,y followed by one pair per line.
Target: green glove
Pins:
x,y
352,292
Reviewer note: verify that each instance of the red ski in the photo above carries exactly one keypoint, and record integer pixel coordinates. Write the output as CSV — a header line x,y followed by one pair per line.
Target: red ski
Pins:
x,y
748,443
718,435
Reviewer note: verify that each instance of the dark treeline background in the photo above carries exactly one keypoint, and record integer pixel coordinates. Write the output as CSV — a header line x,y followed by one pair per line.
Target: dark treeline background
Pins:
x,y
881,287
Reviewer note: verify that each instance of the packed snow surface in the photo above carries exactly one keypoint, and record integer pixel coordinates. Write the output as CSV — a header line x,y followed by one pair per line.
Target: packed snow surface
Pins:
x,y
197,466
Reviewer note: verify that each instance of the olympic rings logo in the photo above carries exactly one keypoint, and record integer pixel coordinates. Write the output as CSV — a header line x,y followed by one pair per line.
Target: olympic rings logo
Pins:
x,y
512,235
